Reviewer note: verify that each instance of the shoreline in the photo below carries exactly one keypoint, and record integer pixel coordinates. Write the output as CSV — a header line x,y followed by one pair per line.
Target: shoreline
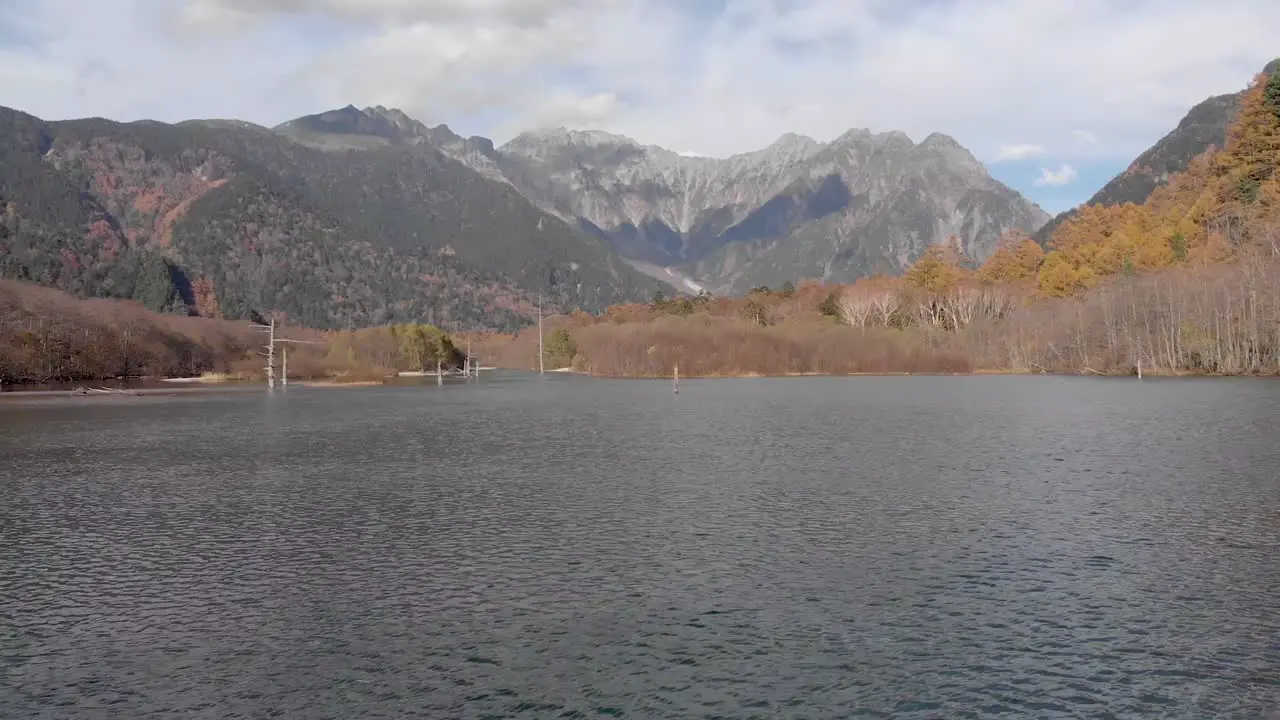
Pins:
x,y
970,373
193,388
207,386
11,396
336,384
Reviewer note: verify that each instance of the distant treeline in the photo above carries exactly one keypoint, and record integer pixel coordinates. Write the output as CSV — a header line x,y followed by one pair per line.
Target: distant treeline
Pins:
x,y
1212,318
47,335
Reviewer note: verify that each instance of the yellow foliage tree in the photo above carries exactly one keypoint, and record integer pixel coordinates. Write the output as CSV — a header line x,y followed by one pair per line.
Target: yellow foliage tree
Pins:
x,y
1059,277
1253,147
1018,257
936,271
1199,214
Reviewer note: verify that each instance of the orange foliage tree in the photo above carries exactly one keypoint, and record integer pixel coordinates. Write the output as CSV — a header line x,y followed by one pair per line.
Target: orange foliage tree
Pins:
x,y
1018,257
936,271
206,298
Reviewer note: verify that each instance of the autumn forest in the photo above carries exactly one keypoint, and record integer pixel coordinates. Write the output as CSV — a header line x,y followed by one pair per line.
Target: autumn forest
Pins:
x,y
1187,282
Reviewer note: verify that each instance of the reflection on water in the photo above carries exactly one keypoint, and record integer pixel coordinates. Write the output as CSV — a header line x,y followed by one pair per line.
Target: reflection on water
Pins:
x,y
883,547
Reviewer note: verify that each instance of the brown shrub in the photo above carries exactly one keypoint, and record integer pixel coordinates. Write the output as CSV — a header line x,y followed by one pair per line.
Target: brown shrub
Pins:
x,y
705,345
48,335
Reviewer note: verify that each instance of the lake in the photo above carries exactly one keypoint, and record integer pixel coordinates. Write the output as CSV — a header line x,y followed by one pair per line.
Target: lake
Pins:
x,y
906,547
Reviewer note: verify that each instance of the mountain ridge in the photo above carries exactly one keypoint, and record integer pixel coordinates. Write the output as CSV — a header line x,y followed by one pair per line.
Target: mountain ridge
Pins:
x,y
151,210
661,207
729,222
379,182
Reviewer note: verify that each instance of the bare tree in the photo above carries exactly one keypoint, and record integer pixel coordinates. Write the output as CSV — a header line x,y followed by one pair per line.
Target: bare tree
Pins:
x,y
885,306
855,307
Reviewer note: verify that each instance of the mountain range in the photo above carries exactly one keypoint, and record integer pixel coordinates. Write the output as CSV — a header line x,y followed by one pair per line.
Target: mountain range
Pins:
x,y
863,203
357,217
256,223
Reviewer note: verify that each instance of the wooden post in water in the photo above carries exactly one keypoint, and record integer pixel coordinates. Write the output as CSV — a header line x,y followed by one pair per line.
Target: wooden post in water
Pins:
x,y
675,386
439,373
1139,368
541,370
284,366
270,353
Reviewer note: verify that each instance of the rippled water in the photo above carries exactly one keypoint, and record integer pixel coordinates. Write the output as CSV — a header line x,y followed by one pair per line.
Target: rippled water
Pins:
x,y
879,547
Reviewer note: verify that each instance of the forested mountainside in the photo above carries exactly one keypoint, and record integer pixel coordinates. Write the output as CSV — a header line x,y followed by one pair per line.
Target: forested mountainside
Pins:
x,y
229,219
861,204
1204,126
1224,201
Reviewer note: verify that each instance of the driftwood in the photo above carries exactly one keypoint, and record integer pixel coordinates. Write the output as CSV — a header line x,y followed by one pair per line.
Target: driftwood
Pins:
x,y
82,390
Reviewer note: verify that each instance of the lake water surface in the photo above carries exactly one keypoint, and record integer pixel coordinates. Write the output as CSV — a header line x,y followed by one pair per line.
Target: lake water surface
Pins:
x,y
570,547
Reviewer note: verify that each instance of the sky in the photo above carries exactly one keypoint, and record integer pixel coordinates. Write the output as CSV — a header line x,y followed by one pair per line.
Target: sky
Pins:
x,y
1054,96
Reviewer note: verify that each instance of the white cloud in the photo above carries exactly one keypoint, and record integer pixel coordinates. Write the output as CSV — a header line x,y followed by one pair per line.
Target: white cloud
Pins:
x,y
669,72
1018,152
1064,175
1084,136
521,12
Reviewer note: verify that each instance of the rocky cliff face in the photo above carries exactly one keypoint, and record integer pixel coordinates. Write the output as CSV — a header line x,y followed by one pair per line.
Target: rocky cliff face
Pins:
x,y
861,204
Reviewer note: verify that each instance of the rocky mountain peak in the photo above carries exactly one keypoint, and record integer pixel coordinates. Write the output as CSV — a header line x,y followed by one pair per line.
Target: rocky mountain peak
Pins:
x,y
853,135
484,144
788,149
537,141
794,143
343,128
865,138
952,152
940,141
396,117
865,202
893,139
